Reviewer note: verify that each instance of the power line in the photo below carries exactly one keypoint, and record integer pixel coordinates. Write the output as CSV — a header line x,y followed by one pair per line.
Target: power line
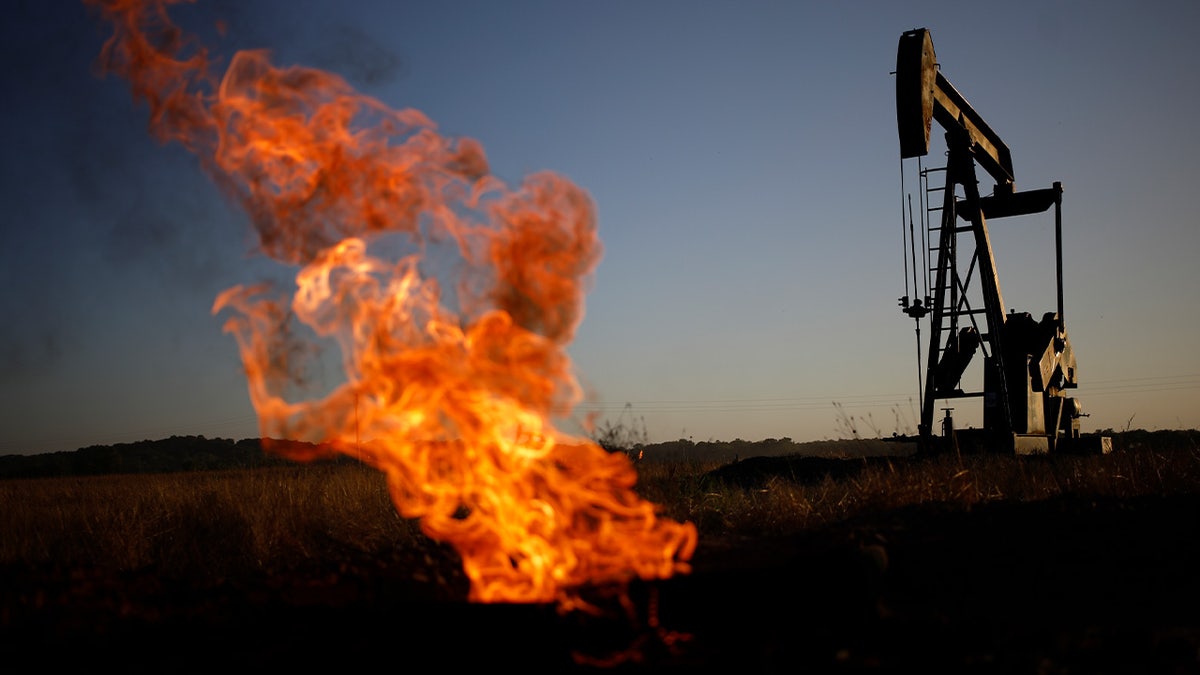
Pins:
x,y
747,404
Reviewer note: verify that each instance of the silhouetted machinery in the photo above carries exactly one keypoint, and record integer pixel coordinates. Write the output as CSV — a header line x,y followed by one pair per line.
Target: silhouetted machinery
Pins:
x,y
1028,363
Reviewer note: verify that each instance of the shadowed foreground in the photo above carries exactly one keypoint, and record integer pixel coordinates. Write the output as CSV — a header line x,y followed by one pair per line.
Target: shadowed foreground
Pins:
x,y
1056,586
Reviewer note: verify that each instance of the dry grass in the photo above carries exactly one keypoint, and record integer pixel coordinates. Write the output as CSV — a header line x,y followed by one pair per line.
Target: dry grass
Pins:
x,y
221,523
782,505
229,523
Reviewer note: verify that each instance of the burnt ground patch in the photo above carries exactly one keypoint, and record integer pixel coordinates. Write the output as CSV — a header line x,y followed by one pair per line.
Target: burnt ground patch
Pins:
x,y
1065,585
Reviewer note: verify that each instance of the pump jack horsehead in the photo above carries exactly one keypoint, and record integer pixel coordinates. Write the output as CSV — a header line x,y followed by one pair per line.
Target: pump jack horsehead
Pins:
x,y
1028,364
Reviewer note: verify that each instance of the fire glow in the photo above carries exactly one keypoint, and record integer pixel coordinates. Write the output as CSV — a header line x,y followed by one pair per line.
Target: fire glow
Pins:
x,y
452,394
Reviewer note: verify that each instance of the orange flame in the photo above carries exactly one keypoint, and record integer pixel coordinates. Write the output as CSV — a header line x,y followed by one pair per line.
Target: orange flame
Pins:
x,y
455,395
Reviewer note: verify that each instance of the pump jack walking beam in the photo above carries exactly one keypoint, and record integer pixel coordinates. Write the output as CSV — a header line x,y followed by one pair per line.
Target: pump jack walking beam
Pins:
x,y
1027,364
923,94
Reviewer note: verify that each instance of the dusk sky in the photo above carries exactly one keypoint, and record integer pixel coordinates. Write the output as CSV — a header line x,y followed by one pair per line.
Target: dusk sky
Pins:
x,y
744,164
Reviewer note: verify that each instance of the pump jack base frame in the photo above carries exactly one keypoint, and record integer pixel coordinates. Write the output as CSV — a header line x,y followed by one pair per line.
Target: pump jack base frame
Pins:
x,y
972,441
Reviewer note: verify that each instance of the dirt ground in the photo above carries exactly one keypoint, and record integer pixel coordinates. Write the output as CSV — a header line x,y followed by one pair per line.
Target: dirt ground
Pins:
x,y
1061,586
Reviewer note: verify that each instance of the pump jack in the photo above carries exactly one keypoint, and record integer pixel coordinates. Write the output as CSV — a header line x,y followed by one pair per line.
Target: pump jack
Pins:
x,y
1028,364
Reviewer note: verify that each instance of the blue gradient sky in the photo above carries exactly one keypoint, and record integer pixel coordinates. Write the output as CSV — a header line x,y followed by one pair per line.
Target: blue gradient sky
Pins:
x,y
745,167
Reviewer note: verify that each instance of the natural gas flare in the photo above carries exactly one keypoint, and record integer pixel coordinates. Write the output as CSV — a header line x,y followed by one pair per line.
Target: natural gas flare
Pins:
x,y
450,389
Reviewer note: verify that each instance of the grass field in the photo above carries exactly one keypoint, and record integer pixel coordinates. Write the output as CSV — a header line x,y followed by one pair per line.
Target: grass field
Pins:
x,y
968,563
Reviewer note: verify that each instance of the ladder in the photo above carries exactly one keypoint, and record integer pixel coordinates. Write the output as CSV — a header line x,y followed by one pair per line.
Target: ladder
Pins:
x,y
956,333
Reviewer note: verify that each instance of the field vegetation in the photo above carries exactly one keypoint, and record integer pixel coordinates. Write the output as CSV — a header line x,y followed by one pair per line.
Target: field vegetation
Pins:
x,y
848,556
215,525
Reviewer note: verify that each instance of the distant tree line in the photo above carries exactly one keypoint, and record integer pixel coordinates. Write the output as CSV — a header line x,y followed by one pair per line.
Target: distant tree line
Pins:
x,y
197,453
177,453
